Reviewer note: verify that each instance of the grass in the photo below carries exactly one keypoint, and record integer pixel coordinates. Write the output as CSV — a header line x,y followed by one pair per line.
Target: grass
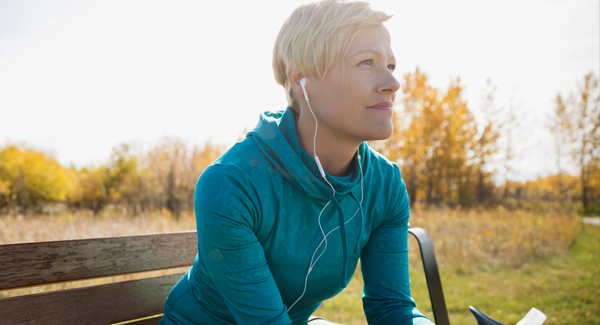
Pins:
x,y
497,237
82,224
502,261
565,287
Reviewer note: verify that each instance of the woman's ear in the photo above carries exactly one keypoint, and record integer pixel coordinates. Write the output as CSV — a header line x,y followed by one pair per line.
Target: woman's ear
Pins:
x,y
294,78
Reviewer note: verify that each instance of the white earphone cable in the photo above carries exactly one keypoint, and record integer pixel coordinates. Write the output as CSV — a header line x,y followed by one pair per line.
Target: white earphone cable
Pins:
x,y
312,264
315,146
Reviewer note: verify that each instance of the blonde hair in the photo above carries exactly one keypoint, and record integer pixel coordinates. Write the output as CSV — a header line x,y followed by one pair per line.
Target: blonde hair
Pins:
x,y
316,35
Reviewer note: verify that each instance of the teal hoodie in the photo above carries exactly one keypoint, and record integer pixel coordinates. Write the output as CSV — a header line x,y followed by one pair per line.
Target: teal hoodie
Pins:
x,y
257,213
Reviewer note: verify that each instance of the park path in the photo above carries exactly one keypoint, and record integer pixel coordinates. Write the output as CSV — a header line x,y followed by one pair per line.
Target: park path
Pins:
x,y
591,220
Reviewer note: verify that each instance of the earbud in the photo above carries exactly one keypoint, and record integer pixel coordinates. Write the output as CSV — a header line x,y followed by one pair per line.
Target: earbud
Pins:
x,y
303,85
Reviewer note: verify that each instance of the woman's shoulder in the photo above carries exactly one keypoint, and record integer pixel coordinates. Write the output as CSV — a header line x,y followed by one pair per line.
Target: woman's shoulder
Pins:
x,y
242,167
240,158
391,192
381,165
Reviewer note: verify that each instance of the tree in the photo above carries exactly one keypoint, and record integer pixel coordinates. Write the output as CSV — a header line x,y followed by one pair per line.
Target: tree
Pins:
x,y
167,166
119,181
433,142
559,126
512,131
548,189
408,145
486,143
174,170
90,189
578,123
457,147
125,178
586,114
29,178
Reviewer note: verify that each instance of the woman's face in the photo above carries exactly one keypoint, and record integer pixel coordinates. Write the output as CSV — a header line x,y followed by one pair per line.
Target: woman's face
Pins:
x,y
359,107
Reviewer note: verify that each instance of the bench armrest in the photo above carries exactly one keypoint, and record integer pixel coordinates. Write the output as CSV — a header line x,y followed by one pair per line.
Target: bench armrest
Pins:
x,y
434,283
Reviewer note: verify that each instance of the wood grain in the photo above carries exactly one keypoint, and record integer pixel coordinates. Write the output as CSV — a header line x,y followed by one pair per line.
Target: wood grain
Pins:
x,y
38,263
103,304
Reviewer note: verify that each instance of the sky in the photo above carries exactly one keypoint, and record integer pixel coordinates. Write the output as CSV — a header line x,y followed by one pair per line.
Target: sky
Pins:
x,y
77,78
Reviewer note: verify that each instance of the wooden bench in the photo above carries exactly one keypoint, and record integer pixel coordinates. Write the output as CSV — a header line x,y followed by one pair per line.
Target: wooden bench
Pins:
x,y
34,264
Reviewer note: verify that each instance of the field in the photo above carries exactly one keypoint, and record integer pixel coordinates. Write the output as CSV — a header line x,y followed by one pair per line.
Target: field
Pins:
x,y
501,260
566,287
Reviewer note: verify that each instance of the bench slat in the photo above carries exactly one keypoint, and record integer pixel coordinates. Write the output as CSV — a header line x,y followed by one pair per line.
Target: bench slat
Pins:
x,y
38,263
103,304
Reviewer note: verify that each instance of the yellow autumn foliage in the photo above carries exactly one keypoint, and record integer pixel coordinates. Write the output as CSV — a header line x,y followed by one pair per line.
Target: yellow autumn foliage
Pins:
x,y
434,141
29,178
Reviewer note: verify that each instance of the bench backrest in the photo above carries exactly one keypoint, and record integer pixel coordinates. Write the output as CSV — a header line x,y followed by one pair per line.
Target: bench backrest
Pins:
x,y
32,264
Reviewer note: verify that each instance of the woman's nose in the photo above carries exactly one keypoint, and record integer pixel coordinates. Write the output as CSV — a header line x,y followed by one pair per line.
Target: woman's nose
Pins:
x,y
389,84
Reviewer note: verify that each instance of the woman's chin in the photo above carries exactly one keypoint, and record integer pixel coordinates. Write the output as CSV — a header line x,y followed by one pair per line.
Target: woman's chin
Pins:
x,y
384,132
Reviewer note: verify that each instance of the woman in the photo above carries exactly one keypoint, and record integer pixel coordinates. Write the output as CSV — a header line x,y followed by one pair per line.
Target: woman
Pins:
x,y
285,214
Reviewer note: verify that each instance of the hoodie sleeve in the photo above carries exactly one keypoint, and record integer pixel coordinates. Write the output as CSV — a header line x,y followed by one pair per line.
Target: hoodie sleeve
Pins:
x,y
225,218
384,264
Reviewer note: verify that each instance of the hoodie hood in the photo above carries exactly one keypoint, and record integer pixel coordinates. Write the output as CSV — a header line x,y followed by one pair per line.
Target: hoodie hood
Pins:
x,y
275,136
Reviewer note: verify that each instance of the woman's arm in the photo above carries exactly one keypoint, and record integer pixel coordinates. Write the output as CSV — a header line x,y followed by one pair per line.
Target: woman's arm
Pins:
x,y
384,264
225,217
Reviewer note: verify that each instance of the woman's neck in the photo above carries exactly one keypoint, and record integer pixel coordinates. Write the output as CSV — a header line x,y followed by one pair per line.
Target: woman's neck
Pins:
x,y
334,152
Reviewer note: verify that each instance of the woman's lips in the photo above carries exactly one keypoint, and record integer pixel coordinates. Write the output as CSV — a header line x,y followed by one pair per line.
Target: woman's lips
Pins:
x,y
387,106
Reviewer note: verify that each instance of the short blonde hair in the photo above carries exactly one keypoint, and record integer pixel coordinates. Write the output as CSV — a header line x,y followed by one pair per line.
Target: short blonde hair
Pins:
x,y
316,35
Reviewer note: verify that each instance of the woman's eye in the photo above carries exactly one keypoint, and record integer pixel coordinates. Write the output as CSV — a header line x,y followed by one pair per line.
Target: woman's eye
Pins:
x,y
392,67
367,62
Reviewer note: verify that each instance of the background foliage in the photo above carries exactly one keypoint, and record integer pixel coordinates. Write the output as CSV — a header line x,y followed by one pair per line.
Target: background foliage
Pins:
x,y
447,158
162,177
501,245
